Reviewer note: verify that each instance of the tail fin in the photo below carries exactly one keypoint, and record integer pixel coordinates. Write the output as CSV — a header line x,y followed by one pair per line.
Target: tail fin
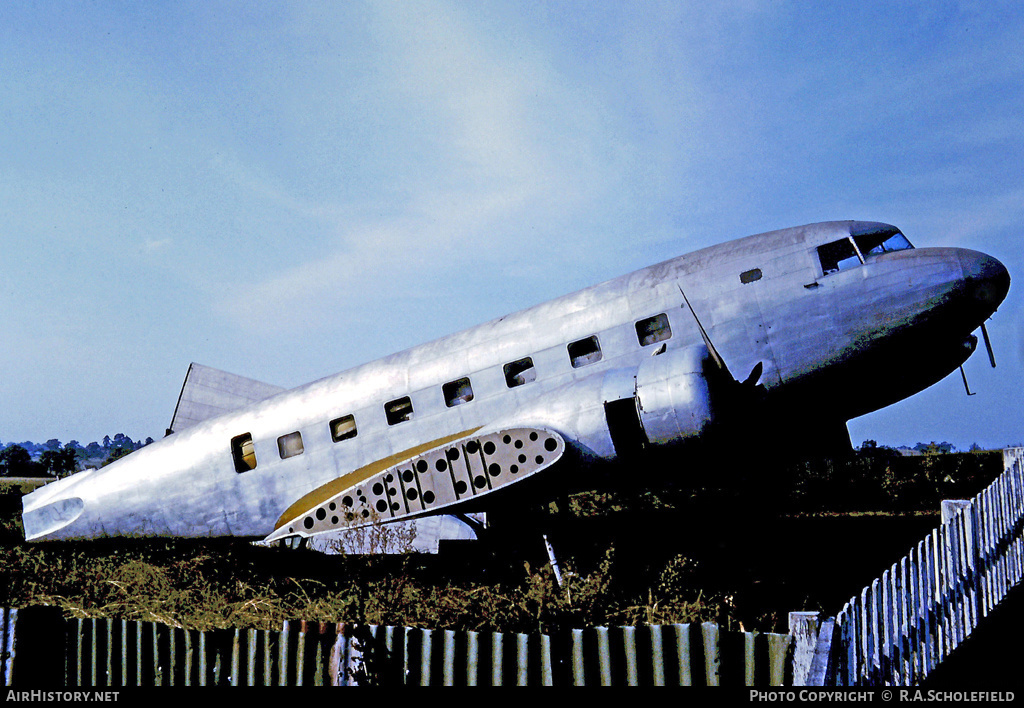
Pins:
x,y
208,393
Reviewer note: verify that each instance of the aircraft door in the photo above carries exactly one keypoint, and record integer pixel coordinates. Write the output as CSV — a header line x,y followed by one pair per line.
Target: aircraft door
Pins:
x,y
790,313
618,394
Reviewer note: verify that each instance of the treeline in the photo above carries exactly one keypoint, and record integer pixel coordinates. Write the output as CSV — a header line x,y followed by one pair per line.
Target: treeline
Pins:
x,y
56,459
879,478
871,479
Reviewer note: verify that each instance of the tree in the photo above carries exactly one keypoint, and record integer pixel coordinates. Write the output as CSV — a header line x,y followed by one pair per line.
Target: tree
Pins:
x,y
16,462
935,448
116,454
59,463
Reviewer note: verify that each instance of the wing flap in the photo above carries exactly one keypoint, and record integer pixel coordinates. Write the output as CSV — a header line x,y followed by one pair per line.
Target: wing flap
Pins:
x,y
446,476
208,393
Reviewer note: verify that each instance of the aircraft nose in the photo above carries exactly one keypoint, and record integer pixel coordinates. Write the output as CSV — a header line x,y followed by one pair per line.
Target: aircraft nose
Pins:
x,y
987,278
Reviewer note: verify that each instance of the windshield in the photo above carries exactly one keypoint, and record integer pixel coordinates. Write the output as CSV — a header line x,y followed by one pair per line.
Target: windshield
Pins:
x,y
870,240
881,240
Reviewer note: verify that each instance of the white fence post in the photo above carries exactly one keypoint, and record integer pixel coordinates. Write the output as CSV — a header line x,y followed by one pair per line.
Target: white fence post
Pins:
x,y
803,626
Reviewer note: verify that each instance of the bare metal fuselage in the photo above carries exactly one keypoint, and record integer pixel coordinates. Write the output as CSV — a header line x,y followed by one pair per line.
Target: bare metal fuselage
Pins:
x,y
828,346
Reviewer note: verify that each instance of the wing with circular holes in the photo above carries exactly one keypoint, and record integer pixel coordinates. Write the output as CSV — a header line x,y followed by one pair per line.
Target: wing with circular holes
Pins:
x,y
434,481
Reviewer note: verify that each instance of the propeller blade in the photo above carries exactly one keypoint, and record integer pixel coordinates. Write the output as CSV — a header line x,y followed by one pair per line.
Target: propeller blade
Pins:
x,y
755,375
719,362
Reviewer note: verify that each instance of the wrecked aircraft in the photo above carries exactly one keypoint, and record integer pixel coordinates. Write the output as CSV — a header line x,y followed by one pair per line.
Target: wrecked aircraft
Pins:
x,y
805,327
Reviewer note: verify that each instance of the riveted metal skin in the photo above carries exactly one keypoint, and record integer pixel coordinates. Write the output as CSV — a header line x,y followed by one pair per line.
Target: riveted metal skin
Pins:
x,y
824,340
674,396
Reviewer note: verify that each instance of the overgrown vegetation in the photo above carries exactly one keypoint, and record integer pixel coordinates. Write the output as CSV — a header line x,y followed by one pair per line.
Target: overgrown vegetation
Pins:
x,y
880,479
727,553
208,585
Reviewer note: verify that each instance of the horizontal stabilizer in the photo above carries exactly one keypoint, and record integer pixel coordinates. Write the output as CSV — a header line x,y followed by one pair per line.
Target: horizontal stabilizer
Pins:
x,y
453,473
208,393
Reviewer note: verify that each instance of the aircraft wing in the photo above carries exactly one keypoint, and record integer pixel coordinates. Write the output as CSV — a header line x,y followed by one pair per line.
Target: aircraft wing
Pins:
x,y
208,393
451,474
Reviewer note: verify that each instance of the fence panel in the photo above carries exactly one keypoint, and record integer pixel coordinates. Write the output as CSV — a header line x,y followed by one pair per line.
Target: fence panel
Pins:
x,y
109,653
898,629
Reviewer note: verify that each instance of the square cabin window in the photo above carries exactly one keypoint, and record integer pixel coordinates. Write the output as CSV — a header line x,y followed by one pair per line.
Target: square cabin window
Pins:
x,y
457,392
653,330
243,452
585,352
398,410
343,428
519,372
290,445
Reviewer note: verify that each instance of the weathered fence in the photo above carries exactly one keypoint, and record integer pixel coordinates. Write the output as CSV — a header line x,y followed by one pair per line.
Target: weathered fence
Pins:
x,y
101,652
907,621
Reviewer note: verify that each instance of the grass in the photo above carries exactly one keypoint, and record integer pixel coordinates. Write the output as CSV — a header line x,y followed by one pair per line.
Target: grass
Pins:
x,y
723,554
205,585
231,583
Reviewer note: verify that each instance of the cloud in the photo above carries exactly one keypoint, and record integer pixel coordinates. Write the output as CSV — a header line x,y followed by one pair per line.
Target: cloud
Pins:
x,y
489,118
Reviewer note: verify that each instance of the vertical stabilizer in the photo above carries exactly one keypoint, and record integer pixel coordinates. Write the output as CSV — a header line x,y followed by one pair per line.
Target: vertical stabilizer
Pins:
x,y
208,393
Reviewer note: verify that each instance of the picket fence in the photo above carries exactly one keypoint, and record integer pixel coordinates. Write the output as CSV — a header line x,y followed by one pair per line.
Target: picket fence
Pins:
x,y
898,630
101,652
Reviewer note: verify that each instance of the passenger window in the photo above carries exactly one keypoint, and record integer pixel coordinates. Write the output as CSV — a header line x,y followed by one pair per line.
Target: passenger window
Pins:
x,y
398,411
750,276
653,330
585,352
837,256
244,453
457,392
343,428
520,372
290,445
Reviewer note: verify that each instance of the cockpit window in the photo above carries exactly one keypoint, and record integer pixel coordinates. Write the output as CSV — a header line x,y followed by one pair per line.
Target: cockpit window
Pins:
x,y
837,256
859,245
883,240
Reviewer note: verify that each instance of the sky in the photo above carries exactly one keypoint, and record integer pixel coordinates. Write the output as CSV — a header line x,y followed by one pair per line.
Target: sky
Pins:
x,y
286,190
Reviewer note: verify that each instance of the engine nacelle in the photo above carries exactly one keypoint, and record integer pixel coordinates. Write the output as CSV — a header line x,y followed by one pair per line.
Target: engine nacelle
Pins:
x,y
673,395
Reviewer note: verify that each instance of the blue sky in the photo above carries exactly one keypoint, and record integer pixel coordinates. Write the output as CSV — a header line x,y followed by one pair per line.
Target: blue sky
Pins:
x,y
285,190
